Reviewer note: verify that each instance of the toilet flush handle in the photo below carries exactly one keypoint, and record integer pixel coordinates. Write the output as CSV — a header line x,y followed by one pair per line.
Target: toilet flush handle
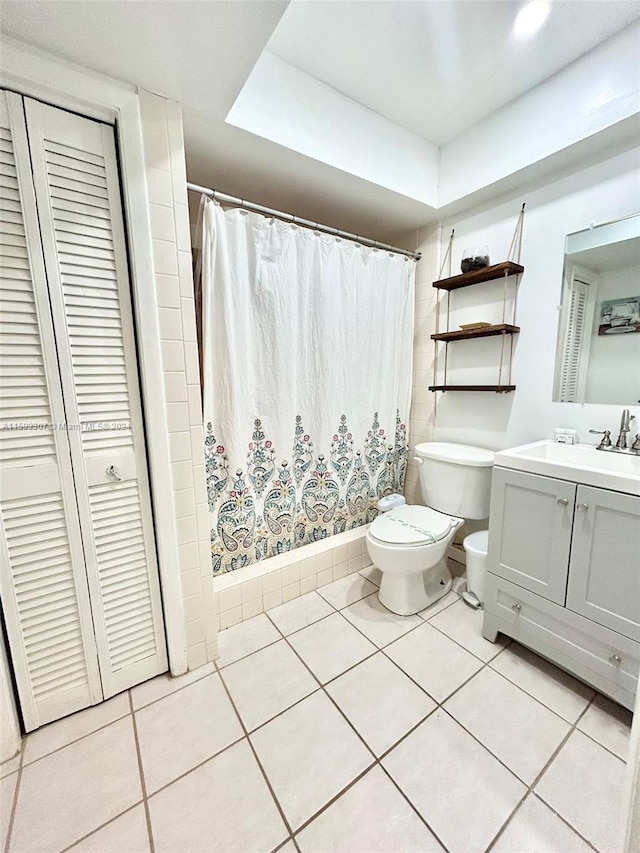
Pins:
x,y
418,459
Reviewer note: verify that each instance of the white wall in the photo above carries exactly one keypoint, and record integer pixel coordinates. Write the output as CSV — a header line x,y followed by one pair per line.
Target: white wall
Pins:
x,y
614,360
593,94
592,195
288,106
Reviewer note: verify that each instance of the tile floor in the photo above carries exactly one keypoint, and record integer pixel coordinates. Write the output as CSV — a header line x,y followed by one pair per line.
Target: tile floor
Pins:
x,y
330,724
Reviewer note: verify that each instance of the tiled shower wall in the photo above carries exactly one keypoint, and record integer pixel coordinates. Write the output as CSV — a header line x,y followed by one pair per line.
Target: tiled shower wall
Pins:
x,y
422,415
167,188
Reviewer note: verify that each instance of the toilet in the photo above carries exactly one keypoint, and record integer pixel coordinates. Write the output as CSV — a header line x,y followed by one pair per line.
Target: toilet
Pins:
x,y
409,543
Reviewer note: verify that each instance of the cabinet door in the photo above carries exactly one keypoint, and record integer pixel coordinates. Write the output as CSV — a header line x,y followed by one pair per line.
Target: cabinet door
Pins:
x,y
604,574
530,531
45,598
78,194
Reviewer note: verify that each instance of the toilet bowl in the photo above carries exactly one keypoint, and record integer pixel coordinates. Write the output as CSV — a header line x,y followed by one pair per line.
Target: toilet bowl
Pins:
x,y
409,544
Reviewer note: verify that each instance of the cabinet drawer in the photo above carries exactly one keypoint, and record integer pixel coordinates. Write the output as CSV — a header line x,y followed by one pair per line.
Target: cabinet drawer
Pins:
x,y
575,643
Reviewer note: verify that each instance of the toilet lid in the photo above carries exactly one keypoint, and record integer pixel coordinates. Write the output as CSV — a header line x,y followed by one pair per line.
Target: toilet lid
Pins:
x,y
411,525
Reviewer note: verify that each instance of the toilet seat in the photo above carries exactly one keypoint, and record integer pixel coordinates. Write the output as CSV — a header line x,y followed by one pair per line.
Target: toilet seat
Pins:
x,y
412,526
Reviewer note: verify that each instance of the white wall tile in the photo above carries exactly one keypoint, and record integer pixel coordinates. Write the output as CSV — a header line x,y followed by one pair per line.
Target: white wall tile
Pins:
x,y
170,324
178,417
162,222
185,274
228,618
193,608
291,591
175,387
192,362
252,608
165,260
272,599
195,405
190,583
187,530
185,503
182,475
168,291
189,320
159,186
272,581
180,446
251,589
325,576
189,558
290,574
173,355
229,598
196,656
182,229
308,583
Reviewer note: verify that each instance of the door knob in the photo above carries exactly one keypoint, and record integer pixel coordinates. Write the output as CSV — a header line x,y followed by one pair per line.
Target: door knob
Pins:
x,y
583,507
616,660
562,502
516,608
112,471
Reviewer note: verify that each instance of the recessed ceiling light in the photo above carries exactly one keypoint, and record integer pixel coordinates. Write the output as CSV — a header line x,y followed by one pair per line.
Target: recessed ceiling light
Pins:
x,y
530,18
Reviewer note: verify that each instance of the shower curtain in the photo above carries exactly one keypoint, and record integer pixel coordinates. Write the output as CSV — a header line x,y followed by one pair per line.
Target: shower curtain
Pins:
x,y
307,359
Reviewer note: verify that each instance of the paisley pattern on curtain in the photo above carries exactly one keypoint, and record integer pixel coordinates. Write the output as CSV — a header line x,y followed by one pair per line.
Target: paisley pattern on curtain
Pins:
x,y
271,507
307,351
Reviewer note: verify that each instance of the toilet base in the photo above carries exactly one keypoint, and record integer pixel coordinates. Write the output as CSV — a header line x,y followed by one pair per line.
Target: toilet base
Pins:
x,y
408,594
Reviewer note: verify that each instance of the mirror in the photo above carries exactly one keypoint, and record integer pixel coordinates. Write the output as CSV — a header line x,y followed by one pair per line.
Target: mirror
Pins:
x,y
598,352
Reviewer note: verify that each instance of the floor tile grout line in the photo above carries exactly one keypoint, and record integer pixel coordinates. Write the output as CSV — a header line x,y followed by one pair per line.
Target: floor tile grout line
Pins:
x,y
77,739
322,618
383,755
440,705
414,808
531,787
564,820
322,687
102,826
376,760
14,803
257,760
143,784
172,679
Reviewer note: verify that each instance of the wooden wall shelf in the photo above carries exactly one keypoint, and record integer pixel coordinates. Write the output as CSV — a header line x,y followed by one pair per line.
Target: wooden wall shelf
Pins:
x,y
484,332
499,389
506,268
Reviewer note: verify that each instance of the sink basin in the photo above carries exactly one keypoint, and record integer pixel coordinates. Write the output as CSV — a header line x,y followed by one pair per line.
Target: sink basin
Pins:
x,y
580,463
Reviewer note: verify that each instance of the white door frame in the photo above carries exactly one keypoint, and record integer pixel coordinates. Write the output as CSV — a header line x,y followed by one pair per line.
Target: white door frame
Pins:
x,y
36,74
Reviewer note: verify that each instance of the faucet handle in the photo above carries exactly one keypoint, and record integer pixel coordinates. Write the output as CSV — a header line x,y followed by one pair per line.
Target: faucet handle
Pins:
x,y
635,447
605,441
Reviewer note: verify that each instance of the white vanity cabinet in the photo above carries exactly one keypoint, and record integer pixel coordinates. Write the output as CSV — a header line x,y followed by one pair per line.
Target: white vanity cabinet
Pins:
x,y
564,576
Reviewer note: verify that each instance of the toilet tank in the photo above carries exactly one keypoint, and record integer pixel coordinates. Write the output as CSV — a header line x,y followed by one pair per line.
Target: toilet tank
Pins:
x,y
455,478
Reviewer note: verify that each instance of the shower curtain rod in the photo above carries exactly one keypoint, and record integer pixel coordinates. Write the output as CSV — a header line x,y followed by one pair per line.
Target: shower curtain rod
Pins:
x,y
288,217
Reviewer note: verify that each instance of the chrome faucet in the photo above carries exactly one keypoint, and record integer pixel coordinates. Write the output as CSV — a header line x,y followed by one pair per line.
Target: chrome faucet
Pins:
x,y
625,420
621,445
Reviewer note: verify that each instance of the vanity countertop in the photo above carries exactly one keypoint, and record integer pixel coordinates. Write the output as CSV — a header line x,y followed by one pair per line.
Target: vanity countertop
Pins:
x,y
579,463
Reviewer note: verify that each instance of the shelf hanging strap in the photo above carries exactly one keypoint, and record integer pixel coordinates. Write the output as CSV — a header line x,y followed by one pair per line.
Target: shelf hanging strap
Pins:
x,y
516,242
446,261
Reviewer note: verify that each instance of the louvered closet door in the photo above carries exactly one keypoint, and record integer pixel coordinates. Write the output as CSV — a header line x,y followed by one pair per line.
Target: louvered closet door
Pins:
x,y
78,197
43,583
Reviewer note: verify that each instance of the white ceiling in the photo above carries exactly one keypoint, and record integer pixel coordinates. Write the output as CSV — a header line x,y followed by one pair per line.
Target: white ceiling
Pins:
x,y
429,66
437,68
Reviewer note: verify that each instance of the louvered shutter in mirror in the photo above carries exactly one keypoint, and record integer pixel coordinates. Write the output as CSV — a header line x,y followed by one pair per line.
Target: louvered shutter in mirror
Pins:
x,y
577,335
78,196
42,574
